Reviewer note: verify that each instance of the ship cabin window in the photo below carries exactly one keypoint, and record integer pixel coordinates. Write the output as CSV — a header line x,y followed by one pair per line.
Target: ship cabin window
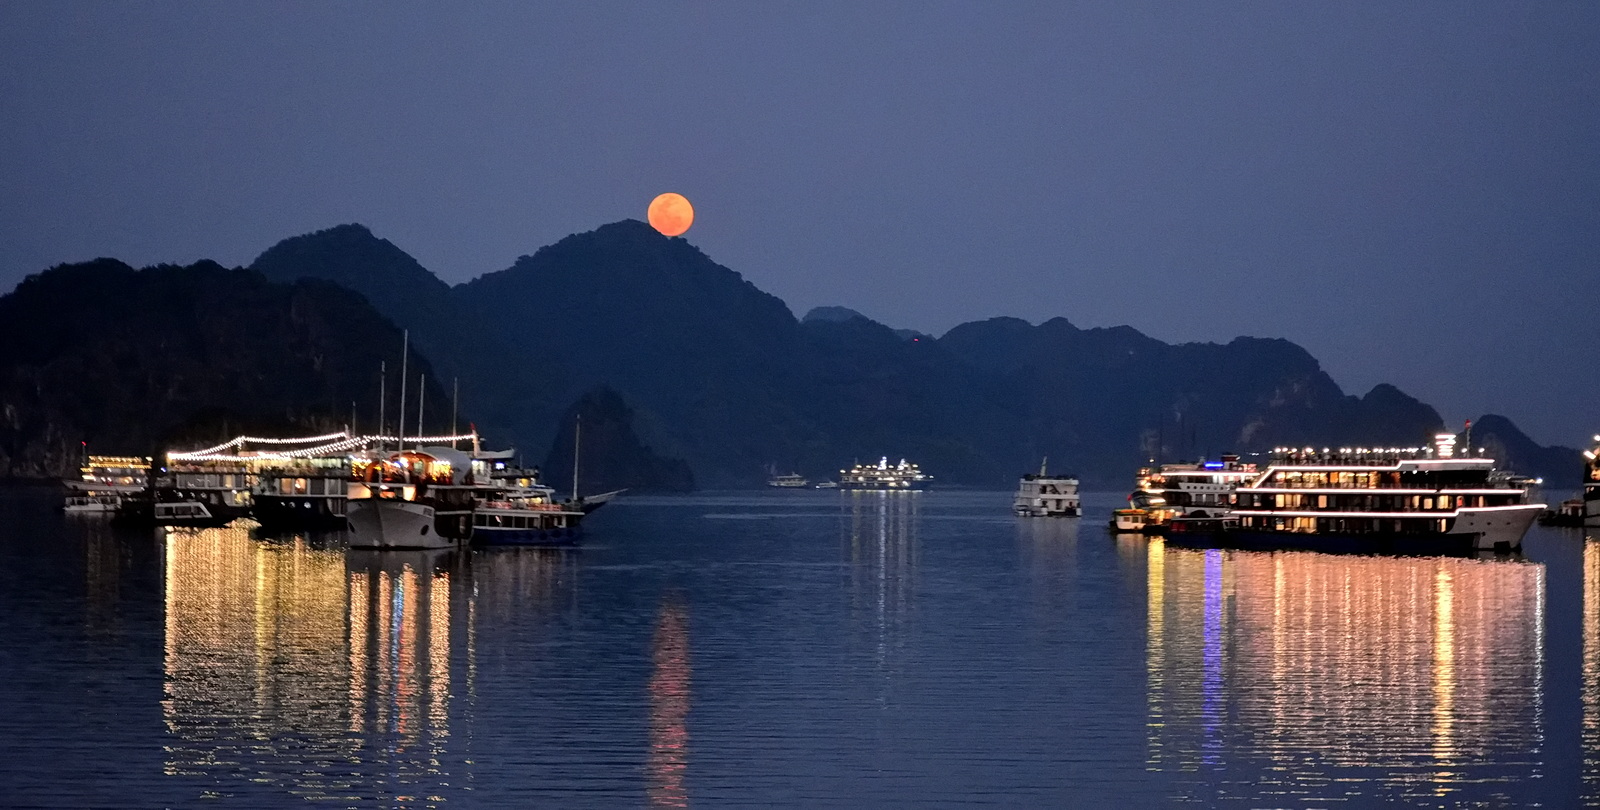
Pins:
x,y
1322,502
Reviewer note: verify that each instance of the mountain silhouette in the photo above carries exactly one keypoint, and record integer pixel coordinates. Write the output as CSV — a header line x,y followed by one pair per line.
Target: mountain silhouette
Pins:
x,y
698,364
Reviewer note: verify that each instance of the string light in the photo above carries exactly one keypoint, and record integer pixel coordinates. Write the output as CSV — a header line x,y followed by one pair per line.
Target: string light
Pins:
x,y
330,443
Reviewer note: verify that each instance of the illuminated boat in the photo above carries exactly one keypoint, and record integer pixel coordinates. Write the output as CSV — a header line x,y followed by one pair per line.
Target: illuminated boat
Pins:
x,y
1408,501
525,516
1045,495
105,482
418,499
883,476
789,481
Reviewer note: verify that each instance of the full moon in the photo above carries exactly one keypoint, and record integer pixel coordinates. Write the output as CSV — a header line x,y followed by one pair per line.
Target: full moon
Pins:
x,y
671,214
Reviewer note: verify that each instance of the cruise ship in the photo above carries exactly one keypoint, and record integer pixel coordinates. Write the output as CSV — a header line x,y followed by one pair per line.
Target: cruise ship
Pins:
x,y
1167,492
105,482
884,476
1044,495
1419,500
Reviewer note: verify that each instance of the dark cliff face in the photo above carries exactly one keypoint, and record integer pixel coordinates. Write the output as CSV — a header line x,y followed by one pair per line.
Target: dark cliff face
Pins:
x,y
135,361
352,257
1561,467
610,456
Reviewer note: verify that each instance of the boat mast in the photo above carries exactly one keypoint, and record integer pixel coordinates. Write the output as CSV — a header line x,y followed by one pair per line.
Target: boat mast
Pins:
x,y
577,436
383,382
1042,463
405,350
422,394
455,404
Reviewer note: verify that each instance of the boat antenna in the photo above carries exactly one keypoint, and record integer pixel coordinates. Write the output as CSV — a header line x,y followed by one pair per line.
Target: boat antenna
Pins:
x,y
455,403
383,382
422,395
405,351
577,436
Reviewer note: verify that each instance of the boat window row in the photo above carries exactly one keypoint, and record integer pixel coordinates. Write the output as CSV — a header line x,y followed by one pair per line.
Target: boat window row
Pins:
x,y
1380,479
508,521
1321,525
1374,503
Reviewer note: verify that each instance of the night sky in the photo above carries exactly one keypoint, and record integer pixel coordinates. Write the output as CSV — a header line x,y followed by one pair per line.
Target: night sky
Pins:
x,y
1410,191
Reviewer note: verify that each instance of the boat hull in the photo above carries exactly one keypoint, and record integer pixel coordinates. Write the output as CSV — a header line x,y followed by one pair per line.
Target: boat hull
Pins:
x,y
276,512
389,523
555,536
1471,531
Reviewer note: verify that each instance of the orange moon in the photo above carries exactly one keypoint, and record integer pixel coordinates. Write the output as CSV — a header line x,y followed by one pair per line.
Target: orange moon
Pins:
x,y
671,214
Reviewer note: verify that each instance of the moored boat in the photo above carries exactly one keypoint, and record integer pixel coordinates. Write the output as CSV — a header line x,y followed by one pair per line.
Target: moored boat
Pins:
x,y
1591,485
1406,501
1044,495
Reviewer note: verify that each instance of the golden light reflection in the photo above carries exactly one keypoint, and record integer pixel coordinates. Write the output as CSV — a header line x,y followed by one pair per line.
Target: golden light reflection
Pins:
x,y
1297,665
1591,670
292,667
669,707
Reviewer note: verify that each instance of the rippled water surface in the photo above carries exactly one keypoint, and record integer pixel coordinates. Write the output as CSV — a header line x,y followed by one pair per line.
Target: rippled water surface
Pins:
x,y
794,648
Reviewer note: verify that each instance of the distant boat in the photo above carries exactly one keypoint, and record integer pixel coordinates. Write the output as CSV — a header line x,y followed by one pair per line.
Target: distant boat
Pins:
x,y
826,485
900,477
1591,485
105,482
1044,495
790,481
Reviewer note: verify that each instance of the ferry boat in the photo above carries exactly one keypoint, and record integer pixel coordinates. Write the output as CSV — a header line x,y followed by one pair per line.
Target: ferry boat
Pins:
x,y
417,499
1591,485
1044,495
1409,501
302,493
526,515
900,477
790,481
105,482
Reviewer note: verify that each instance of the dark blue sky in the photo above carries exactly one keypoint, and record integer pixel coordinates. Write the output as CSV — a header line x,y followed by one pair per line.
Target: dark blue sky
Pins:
x,y
1409,190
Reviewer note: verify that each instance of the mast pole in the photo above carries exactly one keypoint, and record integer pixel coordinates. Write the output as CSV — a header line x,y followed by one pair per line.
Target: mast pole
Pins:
x,y
383,397
455,405
422,395
577,437
405,351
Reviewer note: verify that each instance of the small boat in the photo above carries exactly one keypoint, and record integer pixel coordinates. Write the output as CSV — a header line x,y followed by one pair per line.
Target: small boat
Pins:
x,y
1128,520
1044,495
789,481
525,517
826,485
105,483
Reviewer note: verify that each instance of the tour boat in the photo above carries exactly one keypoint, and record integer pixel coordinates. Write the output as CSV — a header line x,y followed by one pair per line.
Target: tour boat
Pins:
x,y
790,481
1128,520
1410,501
525,516
418,499
105,482
302,493
899,477
1045,495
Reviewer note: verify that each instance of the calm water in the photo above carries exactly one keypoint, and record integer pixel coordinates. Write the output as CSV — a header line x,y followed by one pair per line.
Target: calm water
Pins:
x,y
796,648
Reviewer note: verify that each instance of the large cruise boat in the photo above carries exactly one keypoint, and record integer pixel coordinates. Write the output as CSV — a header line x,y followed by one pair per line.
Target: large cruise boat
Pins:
x,y
105,482
1044,495
1180,490
419,498
1410,501
898,477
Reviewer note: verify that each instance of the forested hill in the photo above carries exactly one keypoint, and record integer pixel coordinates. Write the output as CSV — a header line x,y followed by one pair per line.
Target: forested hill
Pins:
x,y
138,361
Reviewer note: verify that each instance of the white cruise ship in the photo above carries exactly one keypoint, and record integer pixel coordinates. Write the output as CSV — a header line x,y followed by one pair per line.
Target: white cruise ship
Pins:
x,y
897,477
1398,500
1045,495
1591,485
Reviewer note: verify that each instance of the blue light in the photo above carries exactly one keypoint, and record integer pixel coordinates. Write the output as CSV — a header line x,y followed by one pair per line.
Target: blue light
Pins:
x,y
1213,465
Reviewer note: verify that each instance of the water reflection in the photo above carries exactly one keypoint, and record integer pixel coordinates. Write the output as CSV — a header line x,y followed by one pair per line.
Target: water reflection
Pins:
x,y
1591,671
290,666
1302,672
880,531
669,707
